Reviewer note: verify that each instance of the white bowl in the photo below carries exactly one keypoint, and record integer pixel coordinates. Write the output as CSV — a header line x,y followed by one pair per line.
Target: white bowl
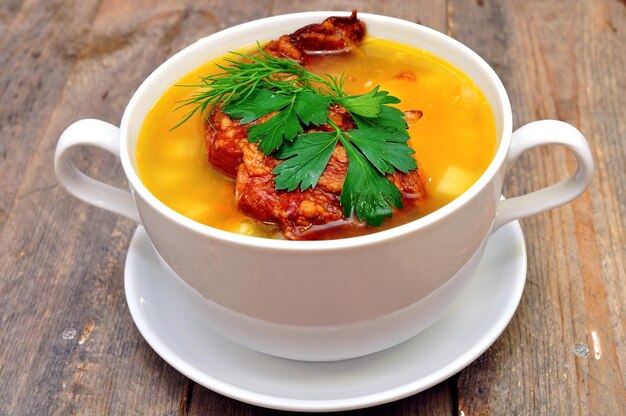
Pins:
x,y
326,300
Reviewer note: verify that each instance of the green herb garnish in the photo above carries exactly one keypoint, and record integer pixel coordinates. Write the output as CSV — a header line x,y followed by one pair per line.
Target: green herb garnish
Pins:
x,y
252,87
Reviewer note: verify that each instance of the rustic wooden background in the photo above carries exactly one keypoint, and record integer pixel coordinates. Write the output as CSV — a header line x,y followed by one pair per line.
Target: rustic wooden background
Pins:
x,y
61,261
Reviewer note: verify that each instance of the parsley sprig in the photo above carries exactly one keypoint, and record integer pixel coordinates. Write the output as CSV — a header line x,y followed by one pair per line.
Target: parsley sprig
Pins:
x,y
251,87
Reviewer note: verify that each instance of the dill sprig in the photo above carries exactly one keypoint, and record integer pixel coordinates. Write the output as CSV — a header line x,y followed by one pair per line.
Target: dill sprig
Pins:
x,y
248,73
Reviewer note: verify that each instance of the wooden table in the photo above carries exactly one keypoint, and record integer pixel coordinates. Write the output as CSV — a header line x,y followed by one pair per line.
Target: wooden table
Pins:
x,y
68,344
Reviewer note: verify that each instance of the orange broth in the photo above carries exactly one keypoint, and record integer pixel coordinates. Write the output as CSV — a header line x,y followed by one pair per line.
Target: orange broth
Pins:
x,y
454,140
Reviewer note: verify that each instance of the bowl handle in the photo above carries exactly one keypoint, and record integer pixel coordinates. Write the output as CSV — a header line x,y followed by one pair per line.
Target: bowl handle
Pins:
x,y
96,133
540,133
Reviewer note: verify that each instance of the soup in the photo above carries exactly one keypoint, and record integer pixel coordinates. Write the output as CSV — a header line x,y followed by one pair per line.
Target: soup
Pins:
x,y
454,137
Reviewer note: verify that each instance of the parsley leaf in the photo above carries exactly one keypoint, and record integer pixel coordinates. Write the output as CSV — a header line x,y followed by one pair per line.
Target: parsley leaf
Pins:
x,y
311,107
272,134
256,104
307,158
302,107
386,149
366,192
369,104
389,117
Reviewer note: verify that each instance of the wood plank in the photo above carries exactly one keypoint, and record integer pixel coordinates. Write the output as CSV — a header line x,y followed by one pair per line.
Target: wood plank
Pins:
x,y
601,229
67,342
32,70
547,54
433,402
62,262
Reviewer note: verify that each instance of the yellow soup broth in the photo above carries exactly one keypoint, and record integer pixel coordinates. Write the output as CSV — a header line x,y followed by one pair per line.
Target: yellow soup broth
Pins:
x,y
454,140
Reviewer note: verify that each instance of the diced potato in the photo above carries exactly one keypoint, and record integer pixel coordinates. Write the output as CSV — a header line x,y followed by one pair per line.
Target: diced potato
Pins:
x,y
246,228
255,229
455,181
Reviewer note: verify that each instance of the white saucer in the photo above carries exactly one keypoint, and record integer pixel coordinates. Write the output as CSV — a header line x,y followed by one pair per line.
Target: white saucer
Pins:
x,y
172,324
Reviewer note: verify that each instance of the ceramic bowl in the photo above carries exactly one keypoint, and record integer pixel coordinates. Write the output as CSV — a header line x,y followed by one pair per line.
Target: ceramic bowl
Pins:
x,y
338,299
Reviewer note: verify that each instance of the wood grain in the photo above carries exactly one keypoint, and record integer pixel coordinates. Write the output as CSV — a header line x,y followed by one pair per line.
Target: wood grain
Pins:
x,y
575,291
67,342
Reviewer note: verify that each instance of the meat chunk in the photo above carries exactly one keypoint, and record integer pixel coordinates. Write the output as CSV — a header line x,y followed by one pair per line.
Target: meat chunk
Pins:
x,y
334,35
341,117
406,76
292,212
411,185
413,116
284,47
298,211
335,173
223,137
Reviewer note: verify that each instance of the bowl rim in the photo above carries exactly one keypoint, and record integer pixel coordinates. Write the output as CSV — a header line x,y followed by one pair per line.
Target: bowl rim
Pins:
x,y
383,236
